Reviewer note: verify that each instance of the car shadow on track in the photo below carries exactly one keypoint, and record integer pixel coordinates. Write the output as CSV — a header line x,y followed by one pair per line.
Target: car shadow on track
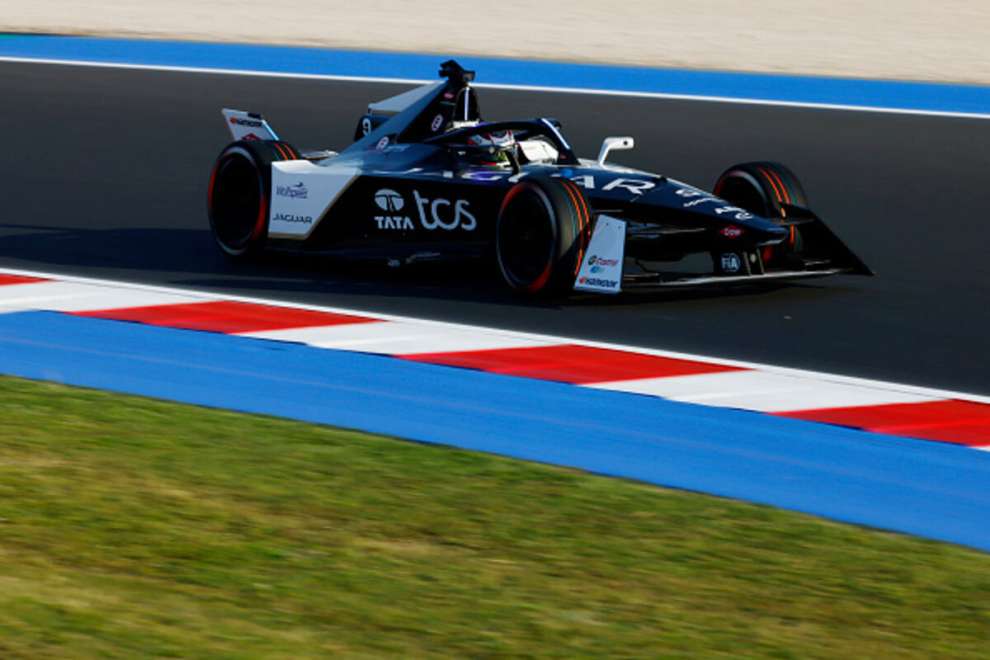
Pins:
x,y
189,258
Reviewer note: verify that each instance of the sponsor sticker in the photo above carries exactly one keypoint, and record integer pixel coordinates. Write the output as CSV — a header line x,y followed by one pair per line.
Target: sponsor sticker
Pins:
x,y
302,194
731,232
389,200
599,282
437,123
601,271
633,186
731,263
697,197
444,214
296,191
295,219
595,260
241,121
391,204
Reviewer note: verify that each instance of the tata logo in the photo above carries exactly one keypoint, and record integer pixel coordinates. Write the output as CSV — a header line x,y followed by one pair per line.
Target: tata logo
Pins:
x,y
389,200
444,214
392,204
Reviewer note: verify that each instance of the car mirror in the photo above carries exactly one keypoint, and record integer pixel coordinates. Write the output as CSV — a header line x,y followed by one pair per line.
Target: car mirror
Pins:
x,y
614,144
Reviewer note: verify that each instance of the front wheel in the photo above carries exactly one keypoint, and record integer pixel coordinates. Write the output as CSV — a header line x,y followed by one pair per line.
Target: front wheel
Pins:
x,y
766,189
541,235
238,195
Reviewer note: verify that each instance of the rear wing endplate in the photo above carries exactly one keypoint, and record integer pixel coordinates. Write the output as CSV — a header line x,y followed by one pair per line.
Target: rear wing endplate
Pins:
x,y
247,125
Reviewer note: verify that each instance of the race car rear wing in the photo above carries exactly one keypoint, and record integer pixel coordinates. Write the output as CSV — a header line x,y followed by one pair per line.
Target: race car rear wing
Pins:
x,y
420,113
393,105
247,125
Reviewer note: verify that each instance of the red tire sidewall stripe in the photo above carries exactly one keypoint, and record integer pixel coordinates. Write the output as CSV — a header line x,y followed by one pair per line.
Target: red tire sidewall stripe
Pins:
x,y
583,219
262,221
541,280
579,218
773,184
209,191
783,188
782,195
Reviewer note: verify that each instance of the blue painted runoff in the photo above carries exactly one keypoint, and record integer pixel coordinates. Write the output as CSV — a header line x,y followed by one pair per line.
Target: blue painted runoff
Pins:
x,y
901,95
934,490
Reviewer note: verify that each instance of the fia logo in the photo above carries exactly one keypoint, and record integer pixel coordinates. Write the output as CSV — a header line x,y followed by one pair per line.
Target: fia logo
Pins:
x,y
731,262
391,203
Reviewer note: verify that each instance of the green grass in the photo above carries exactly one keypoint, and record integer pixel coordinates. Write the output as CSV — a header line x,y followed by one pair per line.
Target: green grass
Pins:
x,y
131,527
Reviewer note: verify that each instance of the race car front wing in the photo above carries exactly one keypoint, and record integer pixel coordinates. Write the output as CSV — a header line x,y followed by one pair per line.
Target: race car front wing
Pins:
x,y
603,265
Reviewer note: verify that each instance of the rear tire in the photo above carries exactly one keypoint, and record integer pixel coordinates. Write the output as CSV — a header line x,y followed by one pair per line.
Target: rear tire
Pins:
x,y
765,188
541,235
238,196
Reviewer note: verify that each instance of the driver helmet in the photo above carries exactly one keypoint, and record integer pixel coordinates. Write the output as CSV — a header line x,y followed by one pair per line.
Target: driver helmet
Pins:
x,y
497,143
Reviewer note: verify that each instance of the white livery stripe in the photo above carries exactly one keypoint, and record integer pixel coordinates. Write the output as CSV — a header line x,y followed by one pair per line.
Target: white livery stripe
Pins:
x,y
77,297
763,391
401,338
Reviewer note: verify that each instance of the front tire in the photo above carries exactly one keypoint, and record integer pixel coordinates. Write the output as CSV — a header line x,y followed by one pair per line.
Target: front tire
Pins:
x,y
766,189
541,235
238,196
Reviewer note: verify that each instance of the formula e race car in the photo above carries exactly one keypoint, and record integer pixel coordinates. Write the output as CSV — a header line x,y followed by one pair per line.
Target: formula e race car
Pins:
x,y
427,179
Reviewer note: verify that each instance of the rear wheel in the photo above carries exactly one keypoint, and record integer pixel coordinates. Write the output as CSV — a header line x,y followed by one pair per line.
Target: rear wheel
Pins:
x,y
766,189
541,235
238,195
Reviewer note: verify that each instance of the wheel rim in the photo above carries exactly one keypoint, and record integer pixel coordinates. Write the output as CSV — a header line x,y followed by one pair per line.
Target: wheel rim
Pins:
x,y
236,202
526,238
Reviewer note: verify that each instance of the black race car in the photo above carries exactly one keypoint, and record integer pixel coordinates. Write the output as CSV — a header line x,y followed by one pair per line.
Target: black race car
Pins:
x,y
427,179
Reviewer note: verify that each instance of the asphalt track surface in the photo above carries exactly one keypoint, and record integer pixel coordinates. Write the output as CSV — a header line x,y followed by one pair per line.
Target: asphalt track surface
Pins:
x,y
103,173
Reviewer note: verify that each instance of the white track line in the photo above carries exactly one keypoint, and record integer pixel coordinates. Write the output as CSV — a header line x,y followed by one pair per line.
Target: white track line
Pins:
x,y
538,337
526,88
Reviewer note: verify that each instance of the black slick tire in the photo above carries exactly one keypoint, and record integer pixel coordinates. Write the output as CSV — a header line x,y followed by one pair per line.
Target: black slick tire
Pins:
x,y
541,235
766,189
238,201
